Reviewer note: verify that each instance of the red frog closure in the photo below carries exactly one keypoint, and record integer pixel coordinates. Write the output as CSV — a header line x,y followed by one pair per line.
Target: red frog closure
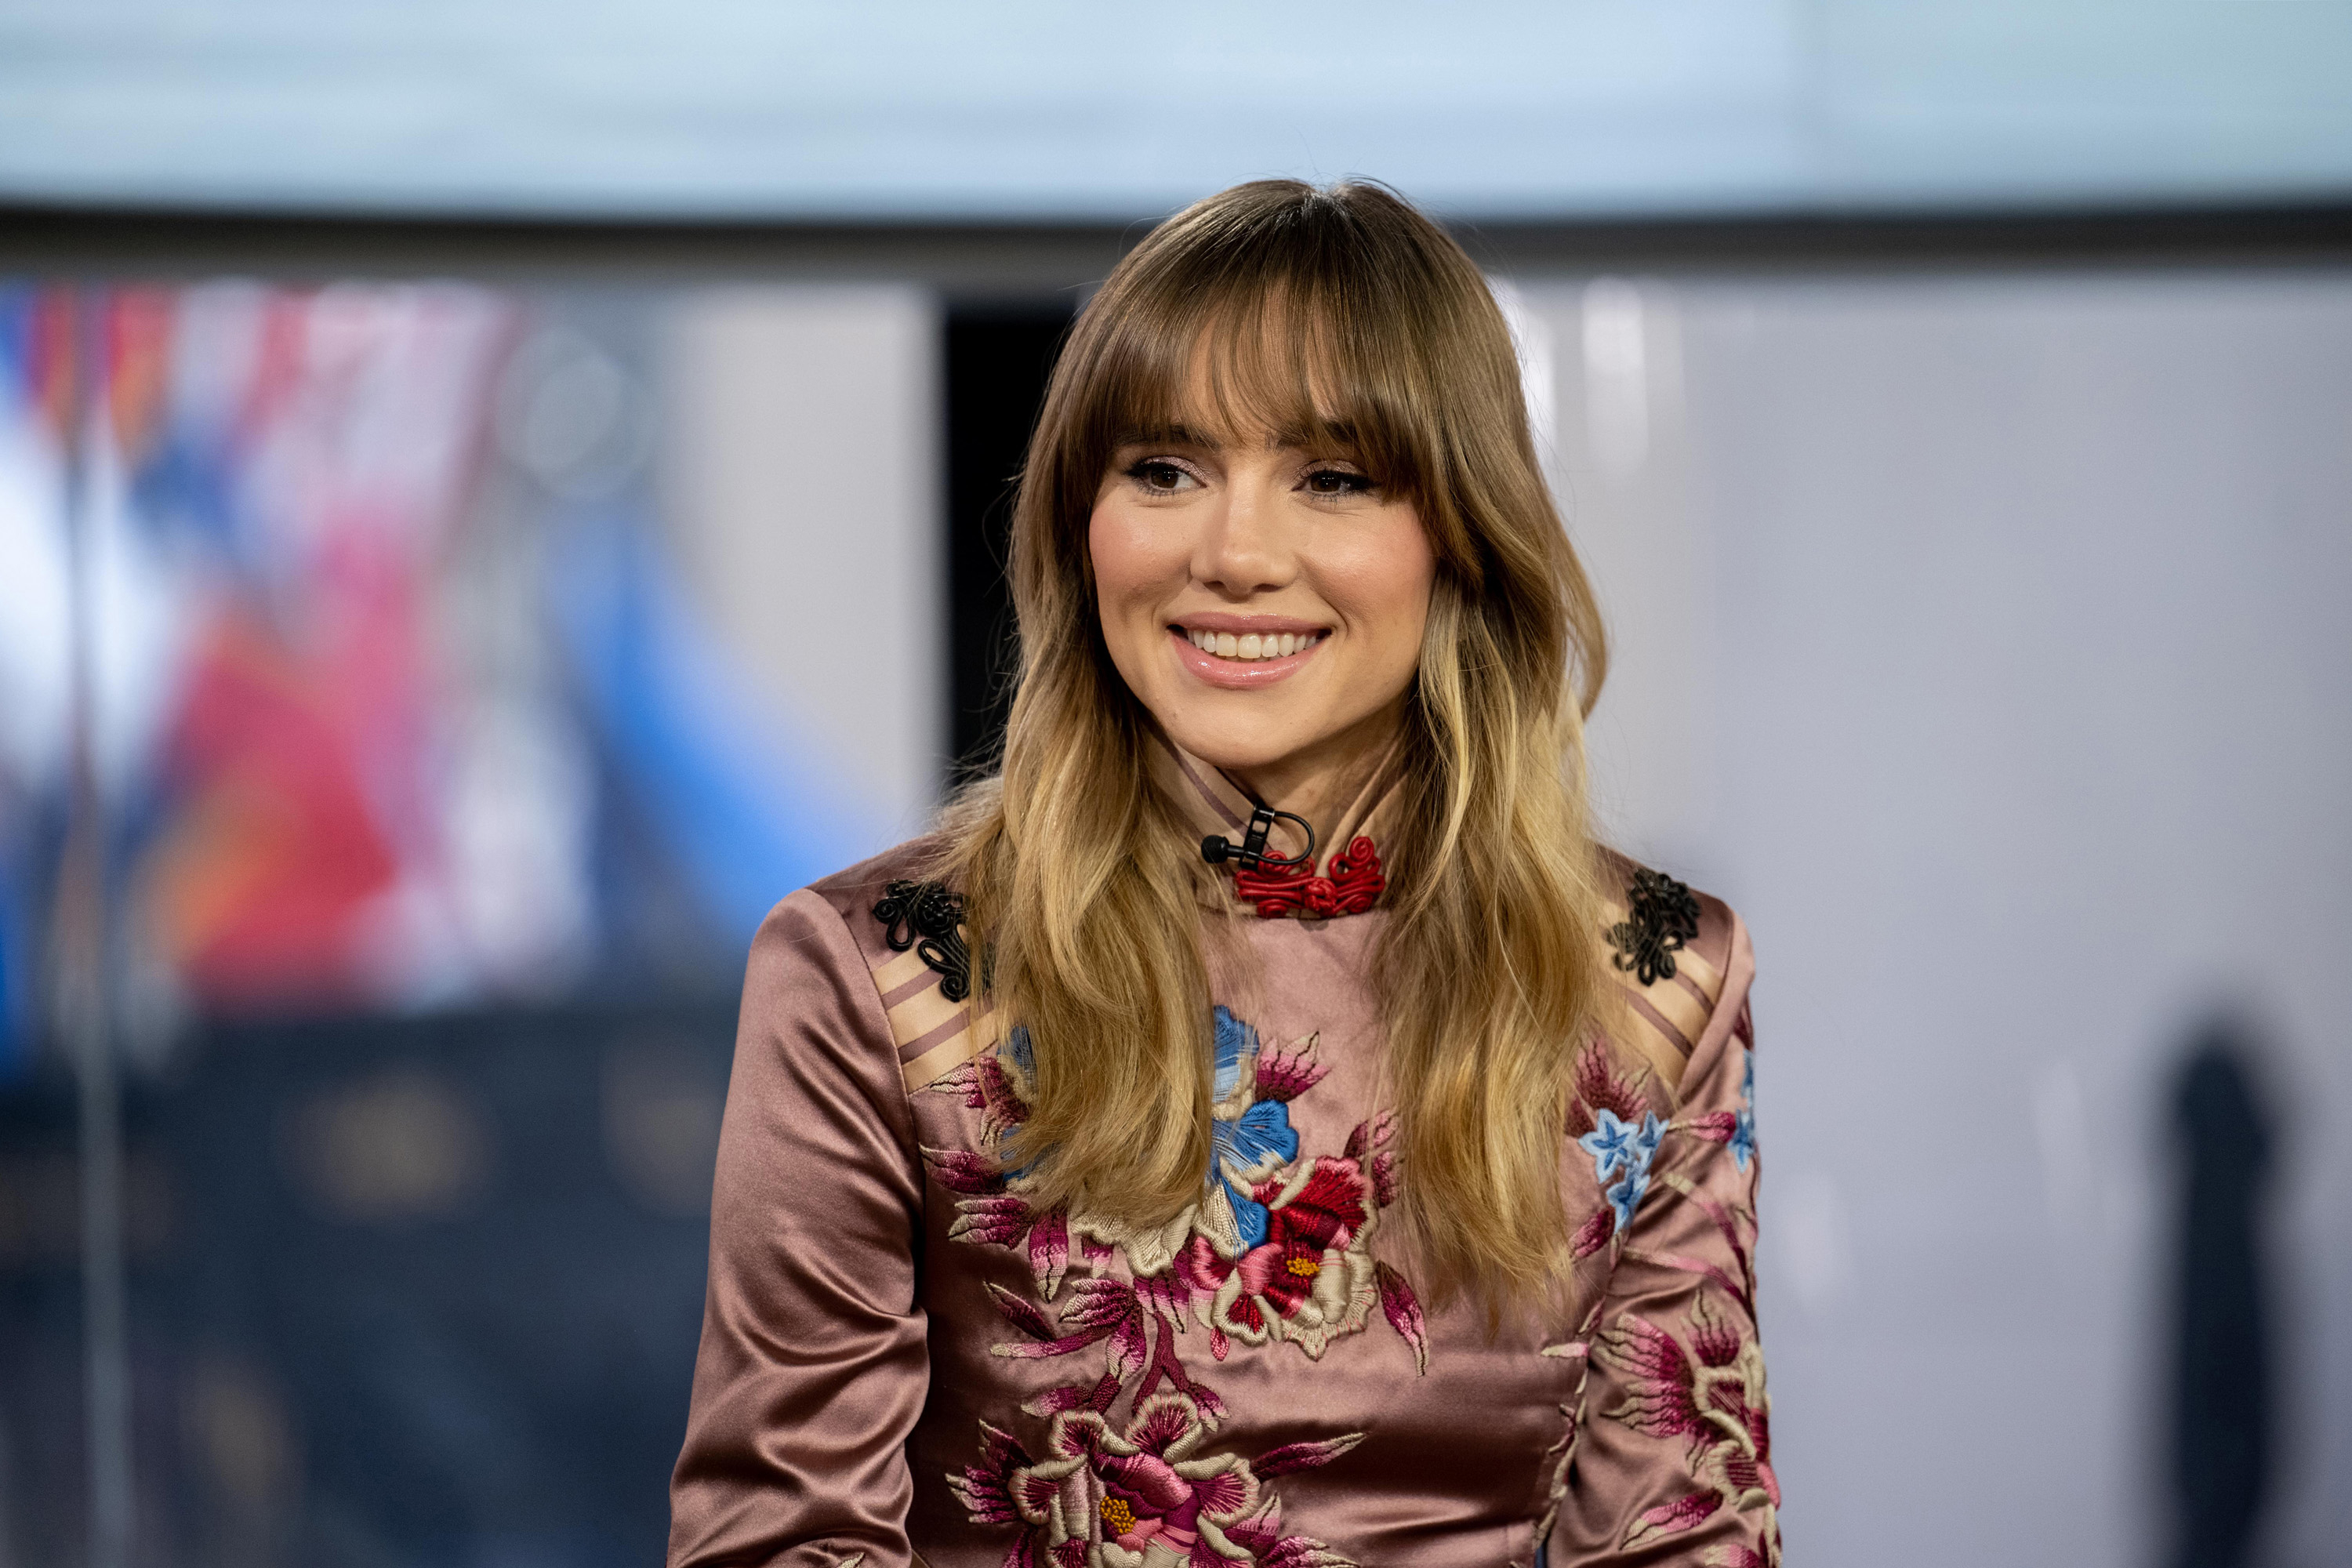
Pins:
x,y
1355,885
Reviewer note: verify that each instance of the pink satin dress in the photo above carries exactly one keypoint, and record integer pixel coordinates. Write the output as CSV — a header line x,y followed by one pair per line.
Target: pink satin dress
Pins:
x,y
903,1362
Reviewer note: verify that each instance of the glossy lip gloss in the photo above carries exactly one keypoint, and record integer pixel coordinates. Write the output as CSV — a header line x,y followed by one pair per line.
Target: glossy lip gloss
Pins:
x,y
1243,674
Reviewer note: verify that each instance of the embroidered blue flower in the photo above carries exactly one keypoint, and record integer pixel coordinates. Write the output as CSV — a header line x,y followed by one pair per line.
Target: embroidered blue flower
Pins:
x,y
1614,1144
1253,1143
1743,1127
1234,1041
1620,1146
1262,1135
1626,1195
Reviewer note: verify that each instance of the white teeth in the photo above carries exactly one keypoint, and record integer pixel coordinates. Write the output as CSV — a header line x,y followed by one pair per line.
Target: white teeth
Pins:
x,y
1252,645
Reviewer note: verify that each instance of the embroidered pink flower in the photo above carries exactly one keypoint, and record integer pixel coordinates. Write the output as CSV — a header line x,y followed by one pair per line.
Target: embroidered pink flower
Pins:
x,y
1108,1497
1599,1086
989,1215
1710,1393
1286,1075
1125,1497
1312,1277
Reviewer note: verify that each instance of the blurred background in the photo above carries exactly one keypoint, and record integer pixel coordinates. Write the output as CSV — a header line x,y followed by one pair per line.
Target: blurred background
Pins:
x,y
492,498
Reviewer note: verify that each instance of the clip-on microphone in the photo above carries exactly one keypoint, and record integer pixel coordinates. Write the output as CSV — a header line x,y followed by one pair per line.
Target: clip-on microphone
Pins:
x,y
1251,853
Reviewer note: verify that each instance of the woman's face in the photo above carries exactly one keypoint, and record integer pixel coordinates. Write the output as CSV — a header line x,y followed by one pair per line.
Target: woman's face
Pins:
x,y
1262,597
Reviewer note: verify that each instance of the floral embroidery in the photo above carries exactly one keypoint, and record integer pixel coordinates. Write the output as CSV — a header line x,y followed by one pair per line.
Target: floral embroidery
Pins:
x,y
1120,1497
987,1211
1708,1392
1618,1146
927,917
1278,1248
1250,1138
1743,1125
1661,914
1310,1276
1735,1129
1599,1087
1602,1090
1402,1309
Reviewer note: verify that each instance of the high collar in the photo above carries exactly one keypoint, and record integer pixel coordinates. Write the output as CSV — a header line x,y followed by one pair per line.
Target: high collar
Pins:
x,y
1213,801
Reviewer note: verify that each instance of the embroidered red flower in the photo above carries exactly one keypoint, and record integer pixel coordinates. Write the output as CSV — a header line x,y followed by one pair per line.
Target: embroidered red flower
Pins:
x,y
1312,1279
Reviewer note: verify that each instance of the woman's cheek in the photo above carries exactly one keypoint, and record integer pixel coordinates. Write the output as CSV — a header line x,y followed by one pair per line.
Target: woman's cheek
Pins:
x,y
1120,555
1138,560
1126,587
1384,587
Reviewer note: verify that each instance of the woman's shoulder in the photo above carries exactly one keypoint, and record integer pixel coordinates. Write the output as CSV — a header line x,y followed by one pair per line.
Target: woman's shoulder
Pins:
x,y
905,922
1679,957
1655,925
860,903
886,906
904,872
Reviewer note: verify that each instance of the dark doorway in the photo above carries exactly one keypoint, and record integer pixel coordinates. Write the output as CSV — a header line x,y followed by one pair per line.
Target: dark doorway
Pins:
x,y
997,358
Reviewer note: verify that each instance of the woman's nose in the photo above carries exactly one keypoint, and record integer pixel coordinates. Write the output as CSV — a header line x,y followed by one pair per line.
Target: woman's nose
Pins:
x,y
1242,549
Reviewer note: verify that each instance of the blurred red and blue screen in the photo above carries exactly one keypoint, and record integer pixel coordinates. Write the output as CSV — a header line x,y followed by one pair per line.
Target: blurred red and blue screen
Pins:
x,y
396,699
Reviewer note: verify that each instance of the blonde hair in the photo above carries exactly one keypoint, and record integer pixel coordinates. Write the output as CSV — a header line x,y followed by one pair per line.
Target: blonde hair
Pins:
x,y
1347,312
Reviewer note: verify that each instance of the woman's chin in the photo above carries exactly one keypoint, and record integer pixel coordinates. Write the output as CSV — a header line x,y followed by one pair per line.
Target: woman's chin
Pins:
x,y
1245,746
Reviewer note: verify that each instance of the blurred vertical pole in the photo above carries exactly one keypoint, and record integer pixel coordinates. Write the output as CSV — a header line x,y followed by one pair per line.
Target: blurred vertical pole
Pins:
x,y
81,1011
2222,1389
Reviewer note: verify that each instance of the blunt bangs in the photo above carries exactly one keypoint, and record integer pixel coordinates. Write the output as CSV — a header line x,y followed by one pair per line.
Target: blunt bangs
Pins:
x,y
1274,367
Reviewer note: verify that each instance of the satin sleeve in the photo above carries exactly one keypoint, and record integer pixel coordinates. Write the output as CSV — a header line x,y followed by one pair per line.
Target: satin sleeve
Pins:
x,y
1672,1458
813,1364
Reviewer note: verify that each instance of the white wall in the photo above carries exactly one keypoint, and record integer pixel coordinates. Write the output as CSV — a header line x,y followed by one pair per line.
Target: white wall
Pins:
x,y
802,489
1988,642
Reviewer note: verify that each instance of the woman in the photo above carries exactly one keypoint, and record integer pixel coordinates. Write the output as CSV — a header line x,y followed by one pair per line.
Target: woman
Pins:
x,y
1262,1127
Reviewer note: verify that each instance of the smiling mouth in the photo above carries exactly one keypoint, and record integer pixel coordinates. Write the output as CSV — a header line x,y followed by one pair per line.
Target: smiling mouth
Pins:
x,y
1249,646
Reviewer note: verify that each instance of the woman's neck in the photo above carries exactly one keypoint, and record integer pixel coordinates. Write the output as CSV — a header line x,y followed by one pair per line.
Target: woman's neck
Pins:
x,y
1321,782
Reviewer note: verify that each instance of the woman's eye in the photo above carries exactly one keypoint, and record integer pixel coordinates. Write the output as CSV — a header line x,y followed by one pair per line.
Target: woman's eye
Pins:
x,y
1337,482
1161,479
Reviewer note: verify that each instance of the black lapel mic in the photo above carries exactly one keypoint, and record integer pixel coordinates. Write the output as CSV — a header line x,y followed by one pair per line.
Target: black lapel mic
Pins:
x,y
1251,853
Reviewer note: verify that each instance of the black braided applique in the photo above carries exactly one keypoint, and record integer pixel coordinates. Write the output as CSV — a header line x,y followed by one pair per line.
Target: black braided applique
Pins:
x,y
925,916
1661,915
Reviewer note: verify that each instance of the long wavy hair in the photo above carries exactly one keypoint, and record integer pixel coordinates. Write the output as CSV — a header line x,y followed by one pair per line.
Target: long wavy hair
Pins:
x,y
1284,307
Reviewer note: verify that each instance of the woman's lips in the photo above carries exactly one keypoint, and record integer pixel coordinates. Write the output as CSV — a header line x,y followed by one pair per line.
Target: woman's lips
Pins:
x,y
1237,674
